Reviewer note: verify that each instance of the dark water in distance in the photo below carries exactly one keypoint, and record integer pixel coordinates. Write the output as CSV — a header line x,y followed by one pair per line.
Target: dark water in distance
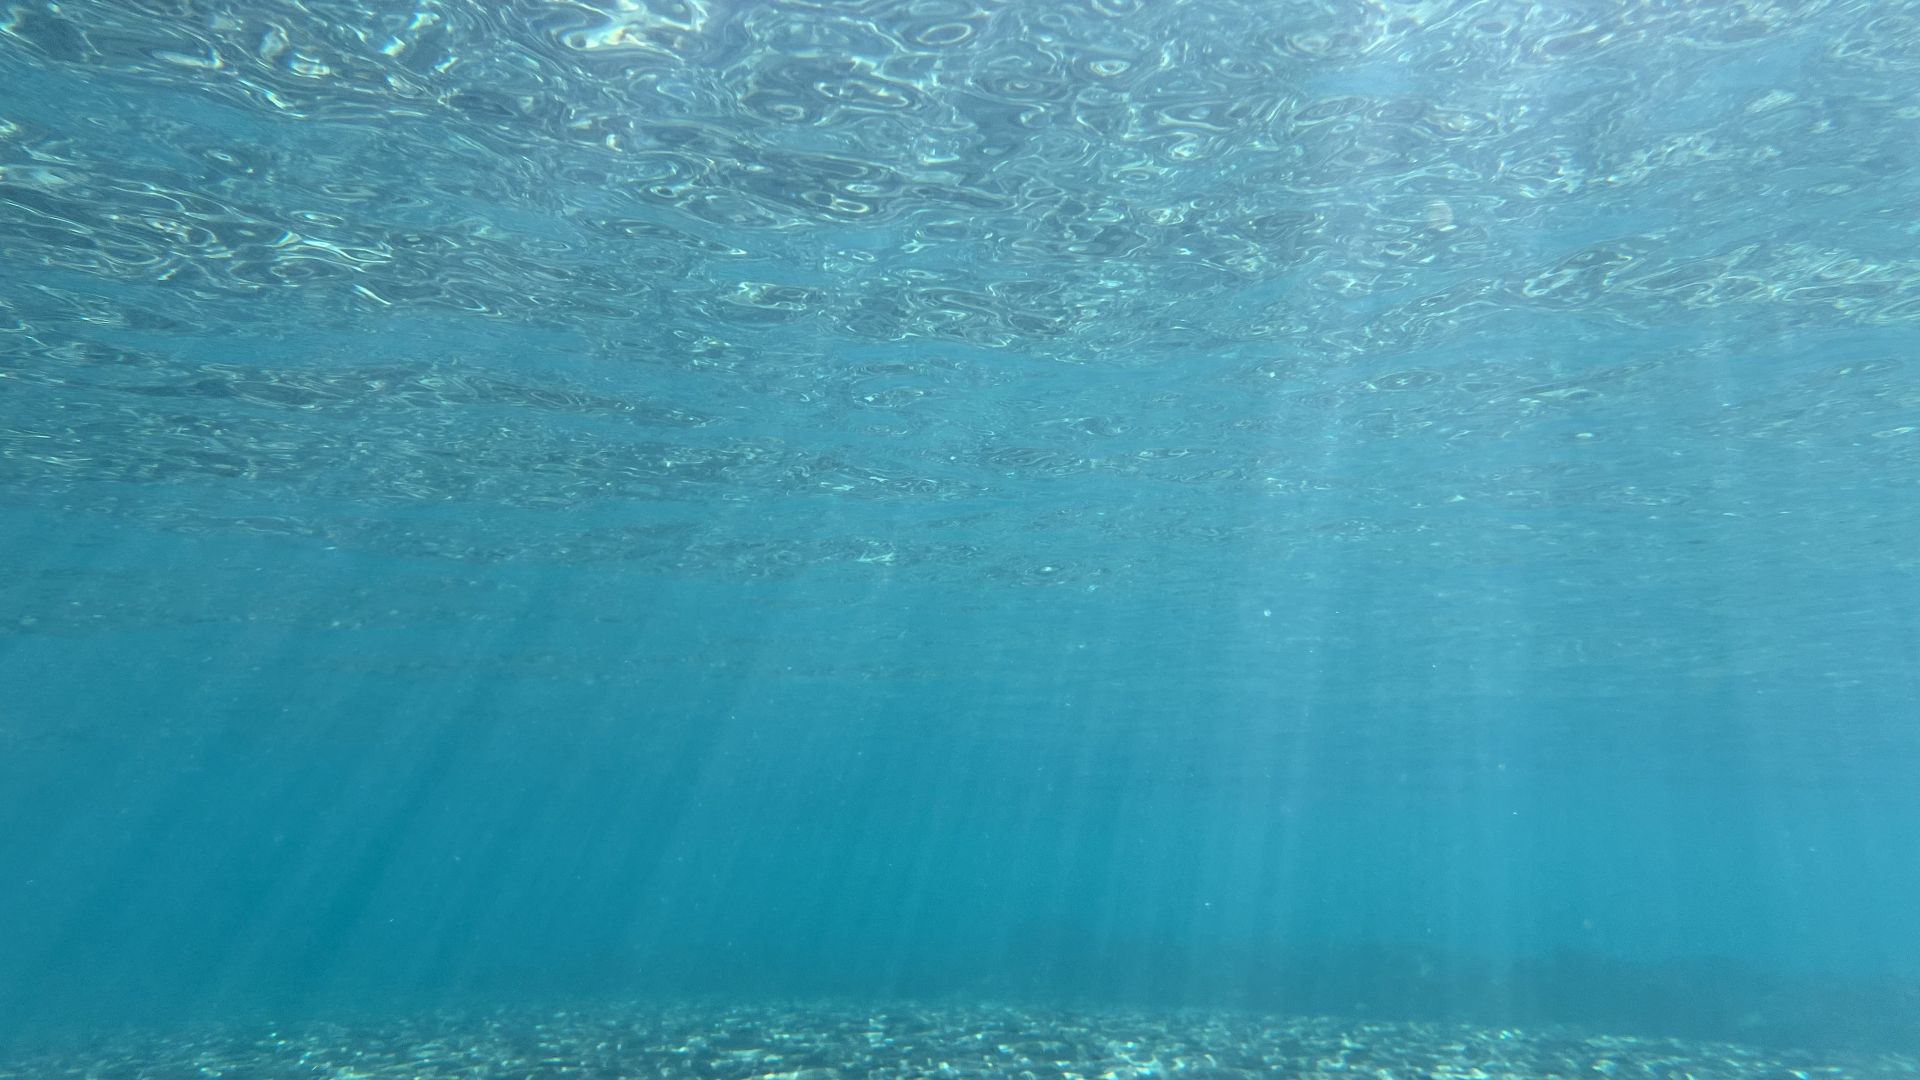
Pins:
x,y
1379,509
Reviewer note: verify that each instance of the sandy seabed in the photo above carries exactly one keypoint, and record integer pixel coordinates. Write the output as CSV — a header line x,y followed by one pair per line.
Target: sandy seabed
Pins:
x,y
845,1041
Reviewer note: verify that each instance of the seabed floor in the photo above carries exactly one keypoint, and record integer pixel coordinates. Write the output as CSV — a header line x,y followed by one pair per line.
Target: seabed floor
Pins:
x,y
841,1042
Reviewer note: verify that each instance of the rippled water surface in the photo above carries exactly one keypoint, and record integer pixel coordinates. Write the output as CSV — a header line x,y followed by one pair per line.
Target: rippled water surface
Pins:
x,y
1082,497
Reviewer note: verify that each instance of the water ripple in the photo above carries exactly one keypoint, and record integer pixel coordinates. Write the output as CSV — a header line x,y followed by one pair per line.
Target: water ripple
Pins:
x,y
820,256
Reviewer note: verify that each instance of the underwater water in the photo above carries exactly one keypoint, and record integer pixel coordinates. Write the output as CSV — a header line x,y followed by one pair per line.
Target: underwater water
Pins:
x,y
1096,538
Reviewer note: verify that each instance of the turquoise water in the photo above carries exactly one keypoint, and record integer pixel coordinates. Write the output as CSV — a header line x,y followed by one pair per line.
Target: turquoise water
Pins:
x,y
1388,511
